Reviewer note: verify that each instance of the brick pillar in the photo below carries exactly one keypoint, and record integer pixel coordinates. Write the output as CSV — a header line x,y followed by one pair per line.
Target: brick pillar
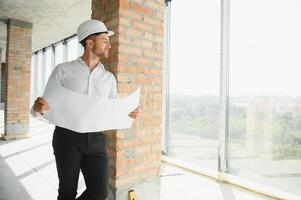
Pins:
x,y
17,90
136,59
1,77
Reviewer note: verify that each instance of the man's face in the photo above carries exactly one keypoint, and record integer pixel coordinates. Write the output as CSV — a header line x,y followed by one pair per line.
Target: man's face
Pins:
x,y
101,45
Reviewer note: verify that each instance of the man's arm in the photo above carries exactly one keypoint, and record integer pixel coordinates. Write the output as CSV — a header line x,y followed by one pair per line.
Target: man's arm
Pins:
x,y
40,105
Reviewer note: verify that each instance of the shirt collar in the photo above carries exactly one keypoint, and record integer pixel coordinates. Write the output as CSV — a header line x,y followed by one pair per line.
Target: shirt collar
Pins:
x,y
82,63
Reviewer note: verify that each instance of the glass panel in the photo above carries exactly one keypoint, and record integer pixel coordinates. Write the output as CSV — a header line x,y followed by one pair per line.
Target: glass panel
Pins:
x,y
194,81
58,53
48,64
39,74
72,49
80,49
265,95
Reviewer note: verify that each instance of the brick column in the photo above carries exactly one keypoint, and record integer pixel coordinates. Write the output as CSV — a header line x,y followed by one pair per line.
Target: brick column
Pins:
x,y
136,59
17,90
1,88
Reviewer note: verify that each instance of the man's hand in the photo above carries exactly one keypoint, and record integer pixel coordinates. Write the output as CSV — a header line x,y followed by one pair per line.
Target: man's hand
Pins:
x,y
134,113
40,105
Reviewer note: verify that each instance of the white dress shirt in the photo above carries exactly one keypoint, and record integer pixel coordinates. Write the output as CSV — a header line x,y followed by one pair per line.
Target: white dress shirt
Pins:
x,y
76,76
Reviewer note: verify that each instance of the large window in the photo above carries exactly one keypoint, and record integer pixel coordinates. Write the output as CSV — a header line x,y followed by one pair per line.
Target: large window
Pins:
x,y
265,95
252,65
194,82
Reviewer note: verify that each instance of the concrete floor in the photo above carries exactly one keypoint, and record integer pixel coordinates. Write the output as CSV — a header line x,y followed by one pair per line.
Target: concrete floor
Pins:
x,y
27,172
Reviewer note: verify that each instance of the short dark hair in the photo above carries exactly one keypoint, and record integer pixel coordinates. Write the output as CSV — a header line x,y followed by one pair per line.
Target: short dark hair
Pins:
x,y
83,42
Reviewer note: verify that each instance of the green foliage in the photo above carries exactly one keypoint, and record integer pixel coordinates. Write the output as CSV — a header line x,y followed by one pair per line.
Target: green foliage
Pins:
x,y
199,116
286,151
287,136
195,115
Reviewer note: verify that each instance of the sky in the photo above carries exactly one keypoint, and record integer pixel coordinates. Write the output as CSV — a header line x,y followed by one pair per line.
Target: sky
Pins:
x,y
265,47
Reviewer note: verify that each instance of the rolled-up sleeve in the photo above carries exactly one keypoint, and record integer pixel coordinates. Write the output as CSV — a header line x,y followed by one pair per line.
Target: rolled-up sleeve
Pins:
x,y
35,114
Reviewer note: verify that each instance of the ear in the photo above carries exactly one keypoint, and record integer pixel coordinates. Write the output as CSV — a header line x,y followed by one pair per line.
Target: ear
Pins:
x,y
89,43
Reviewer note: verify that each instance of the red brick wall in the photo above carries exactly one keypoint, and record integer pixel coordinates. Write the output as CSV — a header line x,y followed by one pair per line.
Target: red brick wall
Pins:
x,y
17,91
136,59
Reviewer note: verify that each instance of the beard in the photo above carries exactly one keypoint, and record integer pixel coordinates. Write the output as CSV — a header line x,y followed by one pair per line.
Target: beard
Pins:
x,y
105,55
101,54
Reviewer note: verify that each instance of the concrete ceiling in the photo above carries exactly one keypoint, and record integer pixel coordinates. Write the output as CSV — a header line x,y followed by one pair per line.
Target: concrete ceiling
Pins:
x,y
52,20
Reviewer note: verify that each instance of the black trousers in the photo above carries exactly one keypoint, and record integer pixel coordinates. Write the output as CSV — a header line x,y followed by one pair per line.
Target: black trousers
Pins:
x,y
81,151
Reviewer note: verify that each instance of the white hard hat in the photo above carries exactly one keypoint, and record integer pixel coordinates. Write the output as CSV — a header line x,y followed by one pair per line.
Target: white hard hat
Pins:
x,y
90,27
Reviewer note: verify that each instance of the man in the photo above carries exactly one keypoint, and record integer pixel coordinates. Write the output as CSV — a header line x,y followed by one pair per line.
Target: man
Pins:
x,y
84,151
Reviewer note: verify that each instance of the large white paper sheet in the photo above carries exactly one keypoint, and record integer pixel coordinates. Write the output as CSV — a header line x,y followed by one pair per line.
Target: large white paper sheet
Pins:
x,y
82,113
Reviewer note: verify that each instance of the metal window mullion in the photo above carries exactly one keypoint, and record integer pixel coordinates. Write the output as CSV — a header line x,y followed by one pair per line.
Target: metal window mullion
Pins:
x,y
224,87
53,57
65,52
166,131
